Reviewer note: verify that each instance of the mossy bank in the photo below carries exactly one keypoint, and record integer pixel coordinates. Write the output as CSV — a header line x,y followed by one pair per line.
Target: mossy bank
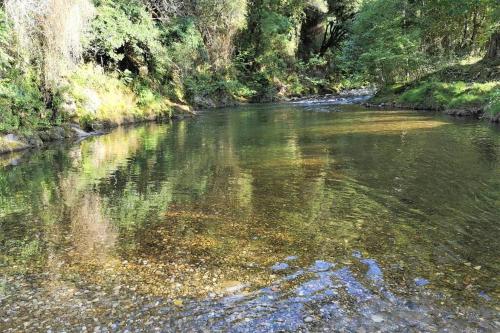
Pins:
x,y
461,90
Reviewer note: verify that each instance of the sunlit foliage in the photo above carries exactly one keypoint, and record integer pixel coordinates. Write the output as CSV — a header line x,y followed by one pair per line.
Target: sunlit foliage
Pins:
x,y
50,32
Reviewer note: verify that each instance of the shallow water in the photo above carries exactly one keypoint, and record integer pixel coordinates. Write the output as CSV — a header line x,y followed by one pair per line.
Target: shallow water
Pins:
x,y
281,217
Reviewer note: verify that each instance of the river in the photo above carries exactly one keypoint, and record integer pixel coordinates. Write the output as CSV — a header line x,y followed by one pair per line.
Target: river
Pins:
x,y
292,217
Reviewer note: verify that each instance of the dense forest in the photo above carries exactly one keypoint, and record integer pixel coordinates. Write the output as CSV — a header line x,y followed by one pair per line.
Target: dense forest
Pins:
x,y
111,62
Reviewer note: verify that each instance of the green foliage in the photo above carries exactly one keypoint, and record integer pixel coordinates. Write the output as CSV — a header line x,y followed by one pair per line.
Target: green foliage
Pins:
x,y
454,95
184,45
399,41
379,47
493,106
124,36
5,58
21,102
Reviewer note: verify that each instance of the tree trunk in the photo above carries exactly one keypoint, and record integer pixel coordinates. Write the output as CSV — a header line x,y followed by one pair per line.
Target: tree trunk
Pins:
x,y
475,28
493,52
310,29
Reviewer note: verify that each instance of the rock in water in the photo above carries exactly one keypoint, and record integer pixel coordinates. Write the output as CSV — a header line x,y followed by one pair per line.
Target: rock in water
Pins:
x,y
280,266
232,286
421,282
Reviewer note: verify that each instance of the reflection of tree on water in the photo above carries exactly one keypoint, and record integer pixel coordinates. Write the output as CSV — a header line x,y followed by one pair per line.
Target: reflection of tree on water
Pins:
x,y
199,203
93,236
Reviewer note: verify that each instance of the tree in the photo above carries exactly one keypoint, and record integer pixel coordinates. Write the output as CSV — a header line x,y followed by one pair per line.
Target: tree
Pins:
x,y
493,51
493,46
219,21
339,19
125,37
49,32
165,10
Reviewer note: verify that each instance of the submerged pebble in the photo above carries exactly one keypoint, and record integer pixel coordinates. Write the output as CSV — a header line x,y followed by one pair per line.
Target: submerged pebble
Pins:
x,y
421,282
281,266
377,318
321,266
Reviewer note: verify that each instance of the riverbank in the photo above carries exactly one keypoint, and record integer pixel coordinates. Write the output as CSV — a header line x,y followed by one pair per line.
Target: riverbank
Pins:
x,y
471,90
91,103
96,102
13,143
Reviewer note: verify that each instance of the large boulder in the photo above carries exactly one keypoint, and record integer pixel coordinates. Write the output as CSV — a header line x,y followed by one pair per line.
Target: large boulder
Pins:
x,y
53,134
78,132
204,102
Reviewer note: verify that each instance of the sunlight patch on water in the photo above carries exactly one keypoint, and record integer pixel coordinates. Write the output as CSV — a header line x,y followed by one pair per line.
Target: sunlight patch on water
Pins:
x,y
379,127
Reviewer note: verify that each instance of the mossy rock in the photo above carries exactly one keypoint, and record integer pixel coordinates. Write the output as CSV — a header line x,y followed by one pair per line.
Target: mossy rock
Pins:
x,y
11,143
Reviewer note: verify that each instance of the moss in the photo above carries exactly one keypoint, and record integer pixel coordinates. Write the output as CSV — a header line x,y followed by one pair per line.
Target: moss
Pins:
x,y
446,96
440,91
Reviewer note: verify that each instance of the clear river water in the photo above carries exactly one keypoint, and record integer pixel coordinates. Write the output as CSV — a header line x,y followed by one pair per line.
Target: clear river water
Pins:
x,y
287,217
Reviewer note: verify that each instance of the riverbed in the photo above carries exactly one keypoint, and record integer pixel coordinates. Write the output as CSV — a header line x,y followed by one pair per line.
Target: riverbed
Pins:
x,y
287,217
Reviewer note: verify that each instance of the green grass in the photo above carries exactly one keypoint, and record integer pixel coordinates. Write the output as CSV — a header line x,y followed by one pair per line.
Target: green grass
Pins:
x,y
493,107
113,101
470,87
445,96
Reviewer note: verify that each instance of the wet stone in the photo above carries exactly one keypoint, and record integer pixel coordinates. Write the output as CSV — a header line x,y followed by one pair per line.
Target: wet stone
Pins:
x,y
374,272
281,266
484,296
321,266
421,282
377,318
357,254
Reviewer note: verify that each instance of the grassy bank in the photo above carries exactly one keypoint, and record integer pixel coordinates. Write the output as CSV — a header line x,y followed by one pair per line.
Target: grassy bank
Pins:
x,y
92,101
91,98
462,89
96,99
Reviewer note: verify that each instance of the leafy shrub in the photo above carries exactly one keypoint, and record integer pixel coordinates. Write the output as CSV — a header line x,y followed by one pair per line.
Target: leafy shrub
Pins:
x,y
124,36
21,102
117,102
493,106
4,42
